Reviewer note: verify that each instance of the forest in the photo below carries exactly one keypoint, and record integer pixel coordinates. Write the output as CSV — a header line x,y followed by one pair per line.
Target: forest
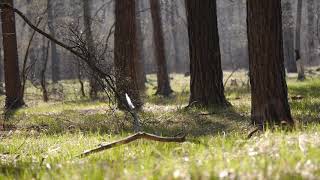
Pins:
x,y
160,89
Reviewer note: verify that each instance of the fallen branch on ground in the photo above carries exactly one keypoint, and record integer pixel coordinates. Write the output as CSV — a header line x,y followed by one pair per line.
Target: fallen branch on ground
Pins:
x,y
127,140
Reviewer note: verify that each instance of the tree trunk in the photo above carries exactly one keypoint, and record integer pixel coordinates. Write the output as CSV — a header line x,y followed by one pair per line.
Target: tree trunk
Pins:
x,y
14,98
1,70
173,13
311,29
288,36
163,80
54,54
125,49
32,53
266,64
300,64
141,75
45,57
206,86
94,85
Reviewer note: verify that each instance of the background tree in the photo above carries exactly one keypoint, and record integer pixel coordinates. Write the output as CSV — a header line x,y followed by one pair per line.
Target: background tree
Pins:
x,y
55,59
11,66
300,65
160,54
141,75
266,64
94,86
311,29
288,36
125,49
206,86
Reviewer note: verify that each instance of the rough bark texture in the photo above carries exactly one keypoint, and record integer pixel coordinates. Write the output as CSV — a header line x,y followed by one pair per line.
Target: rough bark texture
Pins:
x,y
54,53
164,88
1,70
288,36
125,42
301,75
266,64
11,66
205,59
139,59
94,85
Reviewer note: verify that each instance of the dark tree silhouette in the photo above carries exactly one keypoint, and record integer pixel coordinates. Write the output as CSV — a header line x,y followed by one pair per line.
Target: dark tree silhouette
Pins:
x,y
125,49
205,60
14,98
266,62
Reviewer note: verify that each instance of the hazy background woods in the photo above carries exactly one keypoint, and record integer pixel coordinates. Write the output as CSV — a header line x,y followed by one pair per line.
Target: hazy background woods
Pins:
x,y
232,29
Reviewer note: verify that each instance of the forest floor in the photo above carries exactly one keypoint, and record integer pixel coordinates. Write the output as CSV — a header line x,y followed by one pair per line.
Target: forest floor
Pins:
x,y
42,140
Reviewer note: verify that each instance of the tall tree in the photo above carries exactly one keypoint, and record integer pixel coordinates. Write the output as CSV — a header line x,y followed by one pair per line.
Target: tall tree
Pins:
x,y
311,29
1,67
300,65
125,49
11,66
163,80
266,64
288,36
94,86
31,53
205,58
173,14
54,53
141,75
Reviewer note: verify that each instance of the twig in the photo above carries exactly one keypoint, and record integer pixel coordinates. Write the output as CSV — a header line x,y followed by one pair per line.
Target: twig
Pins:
x,y
234,70
140,135
253,132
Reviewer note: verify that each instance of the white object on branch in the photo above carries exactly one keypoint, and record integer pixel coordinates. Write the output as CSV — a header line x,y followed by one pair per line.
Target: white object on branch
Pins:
x,y
130,104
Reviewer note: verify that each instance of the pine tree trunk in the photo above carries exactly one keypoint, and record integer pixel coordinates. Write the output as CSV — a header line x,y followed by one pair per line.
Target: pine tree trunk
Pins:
x,y
141,75
94,85
288,37
173,13
300,65
266,64
311,29
11,66
54,53
163,80
206,86
1,70
125,49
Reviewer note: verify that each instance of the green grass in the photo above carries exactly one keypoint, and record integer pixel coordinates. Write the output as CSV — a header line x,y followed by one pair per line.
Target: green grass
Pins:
x,y
42,140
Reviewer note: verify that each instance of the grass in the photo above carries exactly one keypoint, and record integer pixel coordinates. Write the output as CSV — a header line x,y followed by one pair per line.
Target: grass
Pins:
x,y
45,138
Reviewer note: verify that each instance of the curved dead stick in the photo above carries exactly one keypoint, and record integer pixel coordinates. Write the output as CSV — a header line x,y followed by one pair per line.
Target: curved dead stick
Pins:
x,y
139,135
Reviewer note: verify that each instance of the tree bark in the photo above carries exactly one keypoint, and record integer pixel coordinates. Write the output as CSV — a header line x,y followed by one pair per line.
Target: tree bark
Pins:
x,y
1,70
32,53
311,29
206,85
54,53
300,65
173,13
141,75
266,64
94,85
288,37
125,49
163,80
14,98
